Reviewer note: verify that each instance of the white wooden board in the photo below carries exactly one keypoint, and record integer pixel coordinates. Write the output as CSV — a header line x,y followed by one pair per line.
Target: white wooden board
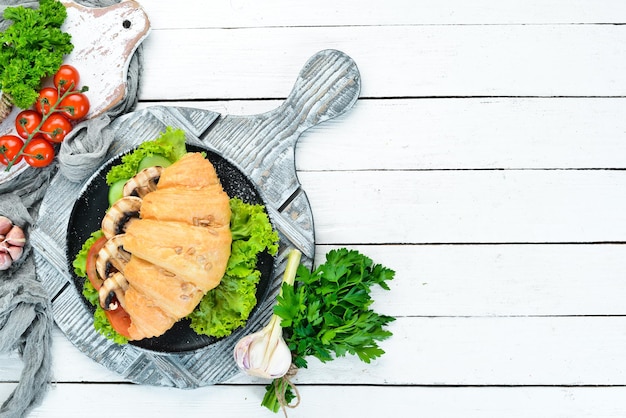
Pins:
x,y
397,61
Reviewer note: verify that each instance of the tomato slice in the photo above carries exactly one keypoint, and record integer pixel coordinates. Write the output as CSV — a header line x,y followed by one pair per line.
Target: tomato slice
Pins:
x,y
92,254
118,318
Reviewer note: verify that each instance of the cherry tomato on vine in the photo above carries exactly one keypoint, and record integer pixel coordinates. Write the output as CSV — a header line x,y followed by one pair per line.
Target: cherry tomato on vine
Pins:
x,y
26,122
10,146
48,96
66,77
74,106
38,152
56,128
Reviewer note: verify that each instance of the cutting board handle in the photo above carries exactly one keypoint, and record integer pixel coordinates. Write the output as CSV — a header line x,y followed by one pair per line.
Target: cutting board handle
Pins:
x,y
328,85
263,146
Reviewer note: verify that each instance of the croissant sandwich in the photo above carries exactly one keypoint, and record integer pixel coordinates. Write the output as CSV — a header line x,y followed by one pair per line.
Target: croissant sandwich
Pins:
x,y
169,241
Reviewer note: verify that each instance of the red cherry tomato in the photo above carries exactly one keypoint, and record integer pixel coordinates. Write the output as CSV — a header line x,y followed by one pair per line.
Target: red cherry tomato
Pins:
x,y
26,122
56,128
10,146
48,96
38,152
66,78
74,106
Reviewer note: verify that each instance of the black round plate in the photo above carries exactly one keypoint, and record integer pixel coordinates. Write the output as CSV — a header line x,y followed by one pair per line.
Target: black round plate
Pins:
x,y
86,217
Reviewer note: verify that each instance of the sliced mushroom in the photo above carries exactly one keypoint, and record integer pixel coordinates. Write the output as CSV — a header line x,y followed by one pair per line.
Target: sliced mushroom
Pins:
x,y
112,291
143,182
112,257
119,214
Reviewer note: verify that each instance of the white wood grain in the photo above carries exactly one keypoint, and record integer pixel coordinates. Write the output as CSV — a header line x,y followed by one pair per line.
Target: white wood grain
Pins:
x,y
396,61
456,351
406,207
461,137
362,401
499,280
251,13
469,133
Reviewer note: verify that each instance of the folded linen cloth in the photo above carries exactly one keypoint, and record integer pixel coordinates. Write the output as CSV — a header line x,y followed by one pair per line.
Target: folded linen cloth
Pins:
x,y
25,318
25,308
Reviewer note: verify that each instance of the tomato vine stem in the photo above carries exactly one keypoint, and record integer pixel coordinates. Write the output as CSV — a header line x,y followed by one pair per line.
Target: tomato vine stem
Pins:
x,y
54,108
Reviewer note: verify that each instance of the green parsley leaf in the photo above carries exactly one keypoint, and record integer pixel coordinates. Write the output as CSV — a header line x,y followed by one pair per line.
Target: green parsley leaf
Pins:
x,y
326,314
31,48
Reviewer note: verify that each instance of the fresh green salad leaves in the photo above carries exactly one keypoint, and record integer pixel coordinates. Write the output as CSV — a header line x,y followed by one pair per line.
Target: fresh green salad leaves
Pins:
x,y
228,306
169,145
31,48
327,314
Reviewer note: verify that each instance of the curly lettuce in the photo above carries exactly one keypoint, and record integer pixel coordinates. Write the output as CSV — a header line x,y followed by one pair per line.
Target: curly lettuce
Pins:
x,y
170,145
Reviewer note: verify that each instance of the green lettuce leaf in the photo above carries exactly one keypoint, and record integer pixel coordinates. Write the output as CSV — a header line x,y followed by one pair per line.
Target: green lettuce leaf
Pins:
x,y
170,145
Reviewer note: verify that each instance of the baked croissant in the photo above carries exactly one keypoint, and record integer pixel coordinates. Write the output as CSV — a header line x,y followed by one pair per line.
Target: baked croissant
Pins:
x,y
177,248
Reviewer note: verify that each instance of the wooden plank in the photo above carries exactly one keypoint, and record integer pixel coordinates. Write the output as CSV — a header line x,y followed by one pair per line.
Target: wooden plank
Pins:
x,y
499,280
362,401
470,133
400,61
465,351
415,207
249,13
487,351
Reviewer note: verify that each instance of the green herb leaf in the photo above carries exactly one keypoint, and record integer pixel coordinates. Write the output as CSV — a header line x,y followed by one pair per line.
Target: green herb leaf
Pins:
x,y
31,48
327,314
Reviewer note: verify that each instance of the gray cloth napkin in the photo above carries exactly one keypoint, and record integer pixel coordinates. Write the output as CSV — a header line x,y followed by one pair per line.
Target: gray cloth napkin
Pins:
x,y
25,308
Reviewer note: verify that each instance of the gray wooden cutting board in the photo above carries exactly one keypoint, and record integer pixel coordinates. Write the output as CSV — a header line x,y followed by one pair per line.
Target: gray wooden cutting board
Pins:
x,y
262,147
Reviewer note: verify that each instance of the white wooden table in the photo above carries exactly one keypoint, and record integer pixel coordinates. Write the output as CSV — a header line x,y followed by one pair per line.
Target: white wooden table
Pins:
x,y
484,162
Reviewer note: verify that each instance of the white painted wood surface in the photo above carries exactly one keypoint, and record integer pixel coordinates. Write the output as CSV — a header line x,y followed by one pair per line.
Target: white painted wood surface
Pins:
x,y
484,162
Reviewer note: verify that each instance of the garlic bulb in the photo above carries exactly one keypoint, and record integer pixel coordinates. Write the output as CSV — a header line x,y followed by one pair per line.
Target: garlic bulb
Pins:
x,y
12,241
265,353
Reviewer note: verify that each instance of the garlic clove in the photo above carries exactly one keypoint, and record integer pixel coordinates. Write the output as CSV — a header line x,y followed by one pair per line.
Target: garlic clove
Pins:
x,y
5,261
16,252
241,351
264,353
5,225
281,360
16,237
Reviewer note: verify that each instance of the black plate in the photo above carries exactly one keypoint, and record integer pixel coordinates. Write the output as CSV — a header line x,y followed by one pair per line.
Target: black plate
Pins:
x,y
87,214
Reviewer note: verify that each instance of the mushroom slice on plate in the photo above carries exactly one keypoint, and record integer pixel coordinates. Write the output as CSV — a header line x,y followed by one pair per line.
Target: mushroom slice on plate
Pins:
x,y
112,257
143,182
119,215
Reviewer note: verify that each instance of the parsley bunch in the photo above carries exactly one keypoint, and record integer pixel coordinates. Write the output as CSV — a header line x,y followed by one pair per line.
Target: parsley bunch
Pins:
x,y
31,48
327,314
